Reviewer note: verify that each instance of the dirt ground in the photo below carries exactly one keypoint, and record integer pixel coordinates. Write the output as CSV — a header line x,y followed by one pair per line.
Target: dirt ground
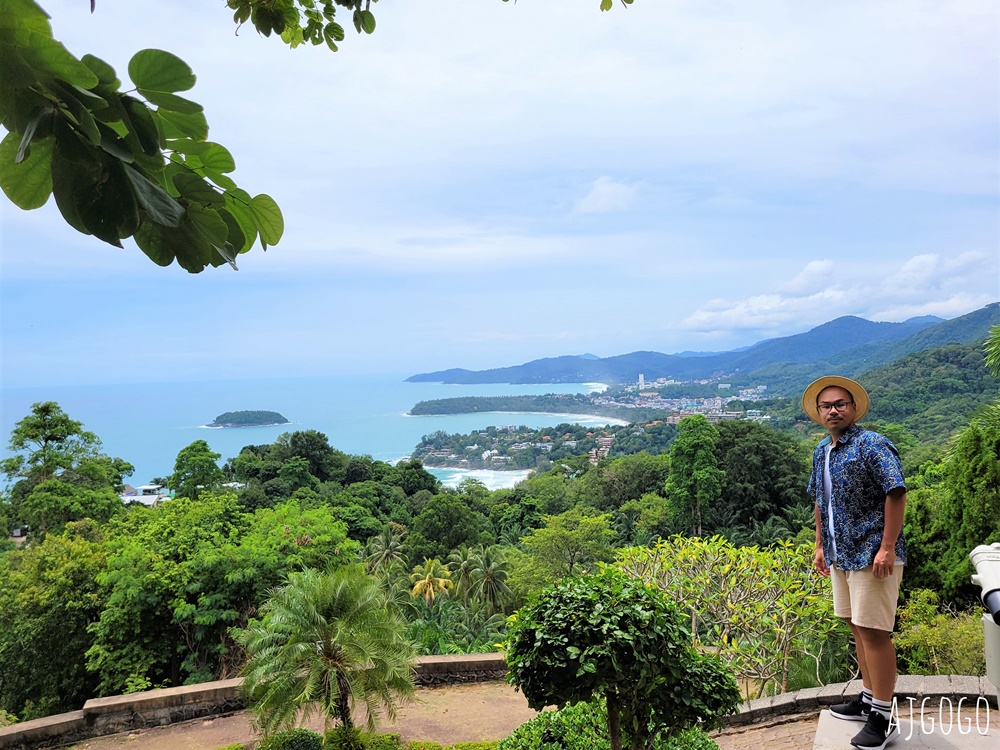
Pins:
x,y
459,713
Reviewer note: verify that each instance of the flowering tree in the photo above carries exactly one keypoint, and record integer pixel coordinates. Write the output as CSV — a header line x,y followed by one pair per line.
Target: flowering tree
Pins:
x,y
758,607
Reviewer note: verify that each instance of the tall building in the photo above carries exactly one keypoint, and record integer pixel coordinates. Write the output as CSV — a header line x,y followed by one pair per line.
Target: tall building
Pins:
x,y
642,382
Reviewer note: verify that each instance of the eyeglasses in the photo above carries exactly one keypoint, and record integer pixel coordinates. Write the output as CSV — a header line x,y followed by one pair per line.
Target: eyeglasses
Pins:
x,y
838,405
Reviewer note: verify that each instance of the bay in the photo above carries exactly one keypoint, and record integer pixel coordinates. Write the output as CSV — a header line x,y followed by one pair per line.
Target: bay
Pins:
x,y
147,424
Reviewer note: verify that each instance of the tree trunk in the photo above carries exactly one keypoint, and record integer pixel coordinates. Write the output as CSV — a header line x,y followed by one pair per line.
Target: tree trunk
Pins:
x,y
344,702
614,721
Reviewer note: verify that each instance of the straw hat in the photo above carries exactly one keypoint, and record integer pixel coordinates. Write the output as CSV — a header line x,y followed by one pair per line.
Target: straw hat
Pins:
x,y
817,386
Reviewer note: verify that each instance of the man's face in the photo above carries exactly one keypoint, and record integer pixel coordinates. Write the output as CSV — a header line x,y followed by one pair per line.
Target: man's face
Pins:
x,y
836,408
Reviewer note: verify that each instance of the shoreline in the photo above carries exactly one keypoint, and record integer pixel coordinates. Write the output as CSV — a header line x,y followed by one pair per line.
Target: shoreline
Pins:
x,y
595,417
214,426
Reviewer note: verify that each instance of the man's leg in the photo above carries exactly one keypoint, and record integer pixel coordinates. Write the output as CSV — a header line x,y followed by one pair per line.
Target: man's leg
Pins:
x,y
877,657
859,646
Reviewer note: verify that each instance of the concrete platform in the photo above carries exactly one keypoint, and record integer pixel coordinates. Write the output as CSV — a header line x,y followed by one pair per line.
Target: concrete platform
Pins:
x,y
959,730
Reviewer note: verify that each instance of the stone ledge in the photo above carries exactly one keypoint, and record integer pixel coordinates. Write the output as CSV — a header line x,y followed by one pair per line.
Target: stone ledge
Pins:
x,y
458,663
44,732
152,700
969,689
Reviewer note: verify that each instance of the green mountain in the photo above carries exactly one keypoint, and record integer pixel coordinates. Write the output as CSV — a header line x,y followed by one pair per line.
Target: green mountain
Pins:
x,y
848,345
787,378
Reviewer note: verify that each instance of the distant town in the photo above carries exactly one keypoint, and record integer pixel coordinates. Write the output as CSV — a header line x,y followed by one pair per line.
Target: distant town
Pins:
x,y
651,410
651,395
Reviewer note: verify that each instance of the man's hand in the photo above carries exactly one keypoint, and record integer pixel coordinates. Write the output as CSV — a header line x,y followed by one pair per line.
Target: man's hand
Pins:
x,y
885,562
819,562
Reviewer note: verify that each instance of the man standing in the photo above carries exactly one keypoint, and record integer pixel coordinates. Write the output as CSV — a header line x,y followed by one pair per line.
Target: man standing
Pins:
x,y
857,480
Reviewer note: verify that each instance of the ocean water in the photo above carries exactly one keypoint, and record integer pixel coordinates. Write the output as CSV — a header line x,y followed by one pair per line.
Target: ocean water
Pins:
x,y
148,424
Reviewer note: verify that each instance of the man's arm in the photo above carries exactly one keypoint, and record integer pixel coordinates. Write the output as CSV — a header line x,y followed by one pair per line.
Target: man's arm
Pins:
x,y
819,559
895,508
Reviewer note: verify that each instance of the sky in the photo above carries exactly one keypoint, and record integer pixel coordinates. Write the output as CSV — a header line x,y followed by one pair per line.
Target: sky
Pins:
x,y
480,183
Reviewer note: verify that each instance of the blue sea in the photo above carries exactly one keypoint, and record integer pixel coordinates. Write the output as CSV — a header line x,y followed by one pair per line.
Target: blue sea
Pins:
x,y
147,424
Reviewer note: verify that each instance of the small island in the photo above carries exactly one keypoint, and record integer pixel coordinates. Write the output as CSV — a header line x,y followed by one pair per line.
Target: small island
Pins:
x,y
248,419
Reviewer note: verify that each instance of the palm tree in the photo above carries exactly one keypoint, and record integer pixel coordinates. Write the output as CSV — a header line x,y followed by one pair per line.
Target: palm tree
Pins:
x,y
479,629
384,550
463,561
990,416
326,642
490,579
430,579
433,627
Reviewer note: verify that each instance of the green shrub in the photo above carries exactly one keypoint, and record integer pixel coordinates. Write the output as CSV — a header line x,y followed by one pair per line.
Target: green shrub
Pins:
x,y
691,739
421,745
294,739
236,746
383,742
344,738
583,726
474,746
578,727
931,641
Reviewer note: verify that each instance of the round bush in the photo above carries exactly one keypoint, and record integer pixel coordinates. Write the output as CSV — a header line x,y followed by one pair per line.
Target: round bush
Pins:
x,y
294,739
583,726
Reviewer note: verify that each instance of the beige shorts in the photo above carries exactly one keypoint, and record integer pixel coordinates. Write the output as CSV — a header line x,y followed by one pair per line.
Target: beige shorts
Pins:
x,y
865,600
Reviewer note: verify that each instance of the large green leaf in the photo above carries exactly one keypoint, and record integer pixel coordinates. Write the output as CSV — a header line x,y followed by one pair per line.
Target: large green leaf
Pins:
x,y
80,113
23,14
236,239
238,205
270,223
152,241
181,125
108,208
166,100
189,146
28,184
196,190
209,224
71,174
368,21
154,200
50,57
142,124
114,145
218,159
104,72
163,244
224,182
156,70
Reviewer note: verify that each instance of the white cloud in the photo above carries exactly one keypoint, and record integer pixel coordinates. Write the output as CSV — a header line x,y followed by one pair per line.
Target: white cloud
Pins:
x,y
925,284
815,276
606,195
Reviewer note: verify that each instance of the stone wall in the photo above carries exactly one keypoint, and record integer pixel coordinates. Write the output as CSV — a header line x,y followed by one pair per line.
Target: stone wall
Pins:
x,y
910,690
460,668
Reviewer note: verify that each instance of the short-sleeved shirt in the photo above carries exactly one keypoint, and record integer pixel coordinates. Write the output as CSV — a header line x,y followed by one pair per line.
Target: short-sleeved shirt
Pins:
x,y
864,468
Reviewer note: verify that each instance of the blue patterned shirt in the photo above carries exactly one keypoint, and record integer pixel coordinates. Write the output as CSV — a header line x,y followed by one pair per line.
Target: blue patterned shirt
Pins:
x,y
864,467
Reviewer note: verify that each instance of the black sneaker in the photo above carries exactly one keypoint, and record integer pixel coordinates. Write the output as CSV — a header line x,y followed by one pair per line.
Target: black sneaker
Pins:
x,y
853,710
877,733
